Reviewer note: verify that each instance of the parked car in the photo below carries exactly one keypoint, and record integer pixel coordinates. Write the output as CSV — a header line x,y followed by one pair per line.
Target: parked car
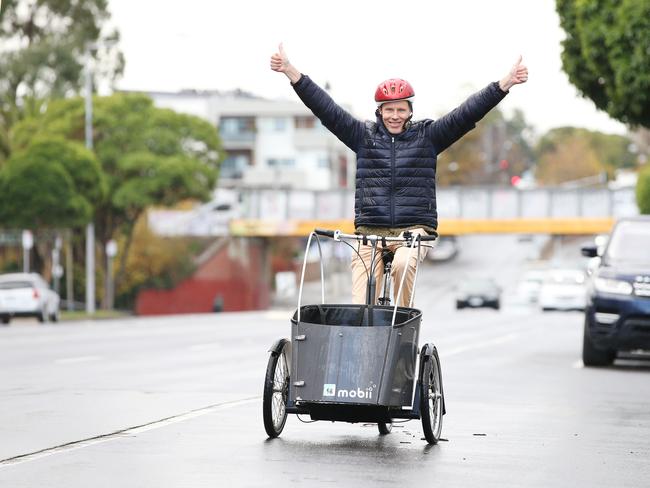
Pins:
x,y
563,289
27,295
617,316
478,292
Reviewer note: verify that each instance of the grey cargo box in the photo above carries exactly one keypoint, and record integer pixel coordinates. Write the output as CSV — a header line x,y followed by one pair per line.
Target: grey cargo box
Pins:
x,y
350,354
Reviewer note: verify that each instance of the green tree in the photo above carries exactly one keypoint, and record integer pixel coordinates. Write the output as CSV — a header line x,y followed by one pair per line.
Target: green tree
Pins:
x,y
42,49
605,54
643,191
52,184
149,156
49,186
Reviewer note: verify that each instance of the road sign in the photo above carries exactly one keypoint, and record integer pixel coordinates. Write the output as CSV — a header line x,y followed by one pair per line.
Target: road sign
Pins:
x,y
28,239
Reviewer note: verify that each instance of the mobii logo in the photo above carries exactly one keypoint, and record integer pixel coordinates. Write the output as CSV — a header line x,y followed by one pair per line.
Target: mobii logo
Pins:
x,y
329,390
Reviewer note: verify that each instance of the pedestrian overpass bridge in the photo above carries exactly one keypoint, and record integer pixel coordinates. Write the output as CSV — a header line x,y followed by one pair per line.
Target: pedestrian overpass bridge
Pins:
x,y
461,210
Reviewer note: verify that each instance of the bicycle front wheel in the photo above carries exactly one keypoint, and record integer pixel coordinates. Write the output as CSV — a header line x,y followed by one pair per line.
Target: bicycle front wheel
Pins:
x,y
431,397
276,392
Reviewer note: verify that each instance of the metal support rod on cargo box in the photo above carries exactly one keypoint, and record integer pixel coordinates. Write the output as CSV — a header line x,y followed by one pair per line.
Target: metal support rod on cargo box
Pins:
x,y
401,285
304,266
415,279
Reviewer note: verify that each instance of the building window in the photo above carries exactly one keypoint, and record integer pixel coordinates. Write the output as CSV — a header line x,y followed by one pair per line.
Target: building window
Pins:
x,y
305,122
281,162
237,126
279,124
235,164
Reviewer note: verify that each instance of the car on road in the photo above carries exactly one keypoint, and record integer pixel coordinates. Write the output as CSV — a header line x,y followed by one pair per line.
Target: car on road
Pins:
x,y
446,249
563,289
530,285
478,292
617,316
27,295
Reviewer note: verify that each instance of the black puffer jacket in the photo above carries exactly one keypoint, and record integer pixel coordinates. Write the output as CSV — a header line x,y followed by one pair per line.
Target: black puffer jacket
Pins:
x,y
396,174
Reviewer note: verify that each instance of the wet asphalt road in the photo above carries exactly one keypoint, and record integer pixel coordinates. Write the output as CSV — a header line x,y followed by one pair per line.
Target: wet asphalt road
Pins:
x,y
176,402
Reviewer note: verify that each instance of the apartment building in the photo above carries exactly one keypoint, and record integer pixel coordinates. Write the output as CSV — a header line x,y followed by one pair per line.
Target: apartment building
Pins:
x,y
269,143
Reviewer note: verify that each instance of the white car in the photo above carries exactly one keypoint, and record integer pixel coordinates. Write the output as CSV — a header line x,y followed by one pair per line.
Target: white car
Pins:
x,y
530,285
27,295
563,289
445,249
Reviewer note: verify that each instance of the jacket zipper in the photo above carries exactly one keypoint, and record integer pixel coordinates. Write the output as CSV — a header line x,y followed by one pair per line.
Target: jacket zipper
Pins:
x,y
392,182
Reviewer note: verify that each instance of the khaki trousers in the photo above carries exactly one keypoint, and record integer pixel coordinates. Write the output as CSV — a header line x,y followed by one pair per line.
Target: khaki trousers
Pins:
x,y
361,268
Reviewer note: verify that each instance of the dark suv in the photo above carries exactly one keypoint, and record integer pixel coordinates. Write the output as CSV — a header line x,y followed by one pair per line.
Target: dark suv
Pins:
x,y
617,316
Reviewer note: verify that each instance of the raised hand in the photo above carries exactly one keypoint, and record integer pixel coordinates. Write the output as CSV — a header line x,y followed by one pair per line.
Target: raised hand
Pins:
x,y
518,74
280,61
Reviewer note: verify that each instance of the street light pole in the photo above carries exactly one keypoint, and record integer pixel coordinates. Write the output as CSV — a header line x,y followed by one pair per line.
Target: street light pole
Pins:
x,y
90,228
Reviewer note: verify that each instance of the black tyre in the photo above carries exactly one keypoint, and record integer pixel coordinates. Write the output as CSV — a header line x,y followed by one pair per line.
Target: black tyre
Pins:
x,y
385,427
6,319
42,316
592,356
431,396
55,316
276,391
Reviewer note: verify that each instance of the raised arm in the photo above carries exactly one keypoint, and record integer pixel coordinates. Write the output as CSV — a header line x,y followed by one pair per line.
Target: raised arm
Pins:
x,y
451,127
337,120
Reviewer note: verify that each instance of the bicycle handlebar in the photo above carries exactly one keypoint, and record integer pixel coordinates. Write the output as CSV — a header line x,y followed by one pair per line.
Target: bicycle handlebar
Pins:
x,y
324,232
338,235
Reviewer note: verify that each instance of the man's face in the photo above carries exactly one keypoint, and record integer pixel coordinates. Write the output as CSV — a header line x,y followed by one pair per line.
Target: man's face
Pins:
x,y
395,115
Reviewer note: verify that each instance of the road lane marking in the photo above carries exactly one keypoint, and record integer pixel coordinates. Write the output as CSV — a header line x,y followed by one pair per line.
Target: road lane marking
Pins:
x,y
478,345
119,434
79,359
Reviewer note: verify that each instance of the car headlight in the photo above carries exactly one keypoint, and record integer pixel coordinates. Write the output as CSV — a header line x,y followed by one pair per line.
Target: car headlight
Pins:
x,y
608,285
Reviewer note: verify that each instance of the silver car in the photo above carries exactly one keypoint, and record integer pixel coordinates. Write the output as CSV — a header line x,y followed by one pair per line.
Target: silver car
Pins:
x,y
27,295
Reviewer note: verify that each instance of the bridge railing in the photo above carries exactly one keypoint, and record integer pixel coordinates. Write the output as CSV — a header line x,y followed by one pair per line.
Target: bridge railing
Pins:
x,y
453,203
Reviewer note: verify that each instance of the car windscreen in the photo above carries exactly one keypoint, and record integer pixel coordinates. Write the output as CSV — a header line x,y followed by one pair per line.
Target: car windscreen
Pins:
x,y
630,243
14,285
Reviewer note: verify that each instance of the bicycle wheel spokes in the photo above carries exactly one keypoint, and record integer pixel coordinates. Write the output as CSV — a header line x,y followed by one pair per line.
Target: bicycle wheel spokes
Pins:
x,y
432,398
276,392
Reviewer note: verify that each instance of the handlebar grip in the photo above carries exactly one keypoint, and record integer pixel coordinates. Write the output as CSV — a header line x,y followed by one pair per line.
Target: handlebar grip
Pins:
x,y
428,237
324,232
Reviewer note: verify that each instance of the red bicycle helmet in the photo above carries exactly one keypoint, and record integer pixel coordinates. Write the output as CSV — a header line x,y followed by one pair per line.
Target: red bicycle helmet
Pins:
x,y
394,89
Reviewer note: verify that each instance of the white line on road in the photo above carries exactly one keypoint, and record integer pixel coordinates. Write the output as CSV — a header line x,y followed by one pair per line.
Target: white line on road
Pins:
x,y
578,364
478,345
91,441
78,359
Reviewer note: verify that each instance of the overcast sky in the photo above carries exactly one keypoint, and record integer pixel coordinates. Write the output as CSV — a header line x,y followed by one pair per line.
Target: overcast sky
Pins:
x,y
446,48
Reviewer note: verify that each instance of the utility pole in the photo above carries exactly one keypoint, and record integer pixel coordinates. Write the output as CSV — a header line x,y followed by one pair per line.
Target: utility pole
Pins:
x,y
90,228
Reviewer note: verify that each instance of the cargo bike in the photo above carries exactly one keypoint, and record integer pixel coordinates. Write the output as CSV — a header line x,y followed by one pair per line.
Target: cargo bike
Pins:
x,y
357,362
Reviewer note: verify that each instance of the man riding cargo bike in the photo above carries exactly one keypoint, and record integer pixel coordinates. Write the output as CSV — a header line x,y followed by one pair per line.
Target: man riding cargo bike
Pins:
x,y
395,212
